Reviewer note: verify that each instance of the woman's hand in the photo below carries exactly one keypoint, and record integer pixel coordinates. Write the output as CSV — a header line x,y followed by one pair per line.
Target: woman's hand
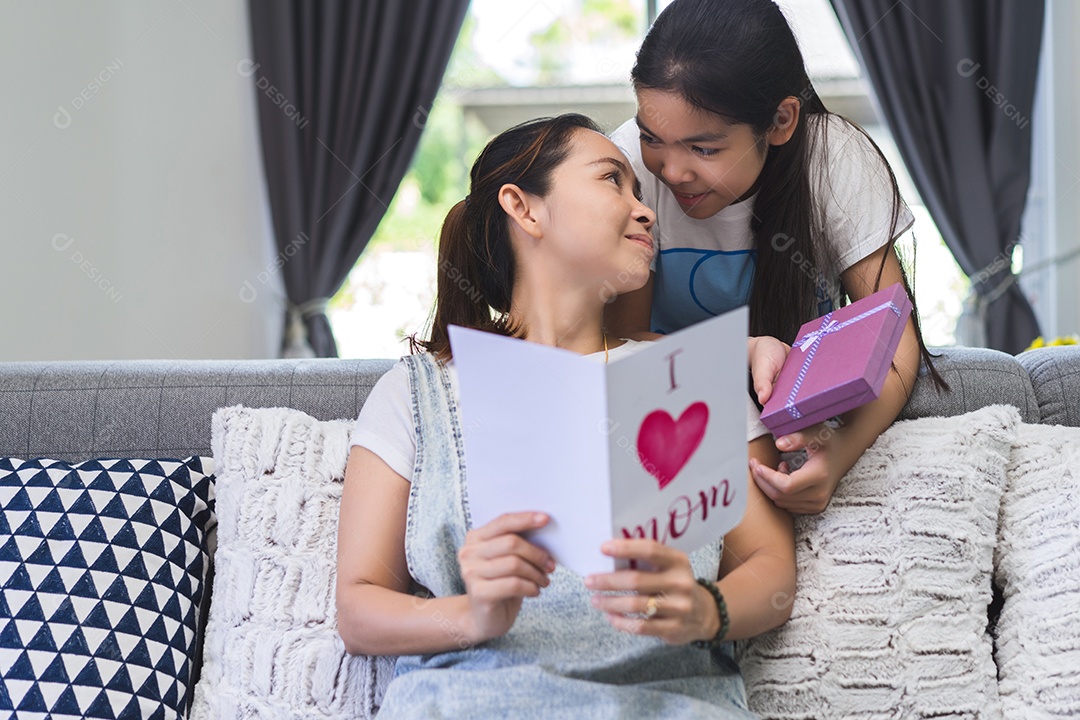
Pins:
x,y
685,611
765,356
500,568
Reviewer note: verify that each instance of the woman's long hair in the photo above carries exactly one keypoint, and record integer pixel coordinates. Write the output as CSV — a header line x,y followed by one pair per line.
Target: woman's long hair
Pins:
x,y
476,261
739,59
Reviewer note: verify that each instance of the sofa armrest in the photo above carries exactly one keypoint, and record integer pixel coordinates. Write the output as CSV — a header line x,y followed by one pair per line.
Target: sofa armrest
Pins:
x,y
1055,379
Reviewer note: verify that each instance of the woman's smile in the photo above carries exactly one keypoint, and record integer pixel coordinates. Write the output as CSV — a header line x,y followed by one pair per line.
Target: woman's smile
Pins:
x,y
643,240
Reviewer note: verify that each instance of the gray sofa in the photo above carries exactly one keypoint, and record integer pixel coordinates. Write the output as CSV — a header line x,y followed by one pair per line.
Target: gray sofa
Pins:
x,y
81,410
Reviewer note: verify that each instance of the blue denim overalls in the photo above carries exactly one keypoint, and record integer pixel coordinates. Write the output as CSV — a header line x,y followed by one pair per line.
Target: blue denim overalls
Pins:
x,y
561,659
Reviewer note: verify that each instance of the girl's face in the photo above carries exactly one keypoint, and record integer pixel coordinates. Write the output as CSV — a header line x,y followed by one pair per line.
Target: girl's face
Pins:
x,y
706,162
595,223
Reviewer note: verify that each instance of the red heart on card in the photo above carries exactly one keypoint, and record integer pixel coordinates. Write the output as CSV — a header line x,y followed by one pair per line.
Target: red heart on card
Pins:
x,y
665,445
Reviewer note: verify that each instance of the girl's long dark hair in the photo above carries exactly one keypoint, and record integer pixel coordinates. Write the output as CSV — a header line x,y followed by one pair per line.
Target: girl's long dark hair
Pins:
x,y
739,59
476,261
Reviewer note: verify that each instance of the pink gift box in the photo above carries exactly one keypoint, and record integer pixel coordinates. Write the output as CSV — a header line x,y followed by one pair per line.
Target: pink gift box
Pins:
x,y
839,362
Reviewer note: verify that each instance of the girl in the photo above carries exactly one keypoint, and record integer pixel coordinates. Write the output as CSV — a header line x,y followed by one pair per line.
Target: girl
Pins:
x,y
553,221
763,197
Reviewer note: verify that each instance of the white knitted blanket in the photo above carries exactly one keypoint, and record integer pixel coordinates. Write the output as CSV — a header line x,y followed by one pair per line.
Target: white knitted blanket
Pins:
x,y
1037,563
888,621
889,618
272,648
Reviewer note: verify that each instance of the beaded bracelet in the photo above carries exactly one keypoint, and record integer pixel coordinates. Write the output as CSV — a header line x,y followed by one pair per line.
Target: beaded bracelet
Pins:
x,y
725,621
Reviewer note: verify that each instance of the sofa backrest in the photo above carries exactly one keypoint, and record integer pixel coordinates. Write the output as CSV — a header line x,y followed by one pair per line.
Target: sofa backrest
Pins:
x,y
977,377
154,408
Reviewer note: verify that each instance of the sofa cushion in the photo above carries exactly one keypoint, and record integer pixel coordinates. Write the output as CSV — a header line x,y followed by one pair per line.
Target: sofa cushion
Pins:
x,y
102,565
1037,563
272,645
1055,378
894,579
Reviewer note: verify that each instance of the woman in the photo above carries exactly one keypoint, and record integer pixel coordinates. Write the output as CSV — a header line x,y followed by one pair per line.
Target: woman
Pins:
x,y
553,224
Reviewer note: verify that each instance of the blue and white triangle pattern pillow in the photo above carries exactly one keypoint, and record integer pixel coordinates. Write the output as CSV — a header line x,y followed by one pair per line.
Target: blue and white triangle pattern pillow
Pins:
x,y
102,566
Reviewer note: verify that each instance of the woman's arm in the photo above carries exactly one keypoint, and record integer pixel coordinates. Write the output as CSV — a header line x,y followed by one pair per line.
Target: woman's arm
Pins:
x,y
377,615
833,451
757,569
757,577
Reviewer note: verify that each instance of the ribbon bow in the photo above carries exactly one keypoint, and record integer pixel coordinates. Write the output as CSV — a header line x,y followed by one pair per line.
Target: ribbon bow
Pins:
x,y
814,335
808,343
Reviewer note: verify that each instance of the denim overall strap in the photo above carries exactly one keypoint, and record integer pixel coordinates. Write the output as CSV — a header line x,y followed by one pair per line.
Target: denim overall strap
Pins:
x,y
438,515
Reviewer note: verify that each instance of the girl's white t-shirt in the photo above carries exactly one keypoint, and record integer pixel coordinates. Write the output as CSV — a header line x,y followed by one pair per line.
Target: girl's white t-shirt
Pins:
x,y
385,425
705,267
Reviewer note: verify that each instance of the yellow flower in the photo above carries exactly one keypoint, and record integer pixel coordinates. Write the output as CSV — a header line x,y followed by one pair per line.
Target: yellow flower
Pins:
x,y
1058,341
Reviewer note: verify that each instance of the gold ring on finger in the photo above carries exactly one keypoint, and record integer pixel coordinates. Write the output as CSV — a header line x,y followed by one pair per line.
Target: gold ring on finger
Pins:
x,y
652,606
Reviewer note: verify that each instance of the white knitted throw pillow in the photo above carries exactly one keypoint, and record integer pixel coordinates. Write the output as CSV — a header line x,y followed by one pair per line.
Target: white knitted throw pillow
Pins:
x,y
272,647
1037,563
890,612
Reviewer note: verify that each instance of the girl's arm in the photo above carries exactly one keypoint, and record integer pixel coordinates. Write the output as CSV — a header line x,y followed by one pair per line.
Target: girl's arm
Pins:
x,y
756,576
832,452
376,613
766,356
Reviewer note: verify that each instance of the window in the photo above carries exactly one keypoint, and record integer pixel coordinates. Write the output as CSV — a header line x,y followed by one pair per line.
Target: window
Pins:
x,y
513,63
939,284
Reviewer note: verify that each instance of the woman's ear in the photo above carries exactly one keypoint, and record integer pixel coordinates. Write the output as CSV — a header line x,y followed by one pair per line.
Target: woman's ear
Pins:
x,y
521,207
785,121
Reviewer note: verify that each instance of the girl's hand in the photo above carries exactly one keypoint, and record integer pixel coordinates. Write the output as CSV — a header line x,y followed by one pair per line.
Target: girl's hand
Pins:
x,y
808,488
500,568
685,611
766,356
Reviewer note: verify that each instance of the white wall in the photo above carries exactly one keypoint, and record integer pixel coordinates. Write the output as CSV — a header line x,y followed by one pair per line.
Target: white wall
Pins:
x,y
1052,215
132,206
1065,161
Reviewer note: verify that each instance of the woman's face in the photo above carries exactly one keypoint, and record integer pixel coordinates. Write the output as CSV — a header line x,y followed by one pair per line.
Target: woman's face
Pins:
x,y
706,162
594,219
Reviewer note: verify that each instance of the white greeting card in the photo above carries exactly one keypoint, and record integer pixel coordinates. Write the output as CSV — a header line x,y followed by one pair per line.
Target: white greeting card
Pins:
x,y
652,444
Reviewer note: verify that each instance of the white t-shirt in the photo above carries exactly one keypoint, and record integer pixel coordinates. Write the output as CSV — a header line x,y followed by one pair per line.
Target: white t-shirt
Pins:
x,y
705,267
385,425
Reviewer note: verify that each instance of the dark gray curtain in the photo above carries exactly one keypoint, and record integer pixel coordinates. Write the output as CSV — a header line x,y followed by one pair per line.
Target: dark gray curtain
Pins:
x,y
956,82
343,88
